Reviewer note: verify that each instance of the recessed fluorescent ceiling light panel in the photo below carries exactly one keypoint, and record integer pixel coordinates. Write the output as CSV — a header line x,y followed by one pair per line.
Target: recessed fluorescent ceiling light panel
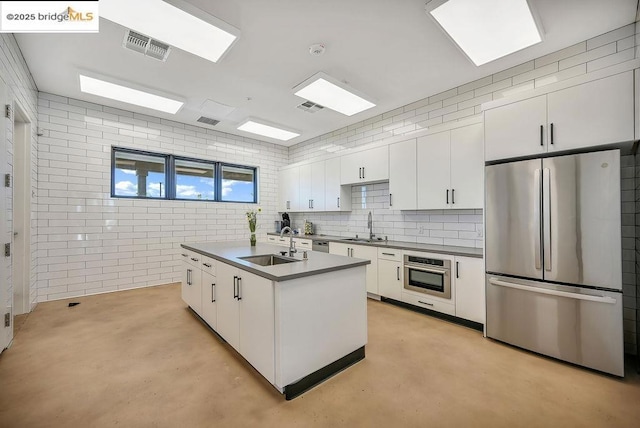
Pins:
x,y
261,128
128,95
486,30
179,24
329,92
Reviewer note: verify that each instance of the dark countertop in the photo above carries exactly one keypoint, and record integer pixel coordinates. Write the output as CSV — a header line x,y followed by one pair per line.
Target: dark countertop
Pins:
x,y
399,245
317,262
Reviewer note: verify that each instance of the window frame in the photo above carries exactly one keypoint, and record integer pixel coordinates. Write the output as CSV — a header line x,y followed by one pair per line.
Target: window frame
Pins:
x,y
167,159
171,179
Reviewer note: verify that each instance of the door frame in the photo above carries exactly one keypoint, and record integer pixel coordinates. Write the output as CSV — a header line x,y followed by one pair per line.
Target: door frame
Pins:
x,y
21,252
6,291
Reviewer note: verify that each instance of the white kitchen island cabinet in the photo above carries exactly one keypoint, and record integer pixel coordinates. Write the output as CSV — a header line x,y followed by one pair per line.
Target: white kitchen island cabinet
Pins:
x,y
276,316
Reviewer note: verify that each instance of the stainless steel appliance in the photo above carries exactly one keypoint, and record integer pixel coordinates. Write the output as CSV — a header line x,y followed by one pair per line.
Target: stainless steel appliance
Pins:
x,y
322,246
428,276
554,257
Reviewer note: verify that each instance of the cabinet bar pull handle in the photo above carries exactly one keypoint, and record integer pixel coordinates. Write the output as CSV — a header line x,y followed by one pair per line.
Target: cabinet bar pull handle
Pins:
x,y
552,133
188,276
185,255
390,200
194,259
453,196
447,196
425,303
239,289
457,269
541,135
338,201
388,254
398,272
207,265
235,281
362,172
213,296
359,172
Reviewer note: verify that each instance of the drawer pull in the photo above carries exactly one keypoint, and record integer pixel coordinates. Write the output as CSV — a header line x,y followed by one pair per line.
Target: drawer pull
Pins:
x,y
389,254
207,265
194,259
185,255
425,303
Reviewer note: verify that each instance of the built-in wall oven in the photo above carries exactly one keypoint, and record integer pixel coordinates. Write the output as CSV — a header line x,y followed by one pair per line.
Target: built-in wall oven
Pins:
x,y
428,276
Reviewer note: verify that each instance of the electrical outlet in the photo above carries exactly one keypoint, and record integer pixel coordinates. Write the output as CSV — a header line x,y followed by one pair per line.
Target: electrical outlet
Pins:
x,y
421,230
479,230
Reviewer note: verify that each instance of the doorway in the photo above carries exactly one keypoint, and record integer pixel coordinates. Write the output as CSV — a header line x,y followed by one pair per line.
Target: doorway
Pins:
x,y
21,251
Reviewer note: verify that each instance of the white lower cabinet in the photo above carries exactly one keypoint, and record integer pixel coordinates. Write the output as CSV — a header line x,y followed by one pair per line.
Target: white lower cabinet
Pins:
x,y
390,273
257,318
469,283
424,301
209,306
191,289
228,304
245,316
360,252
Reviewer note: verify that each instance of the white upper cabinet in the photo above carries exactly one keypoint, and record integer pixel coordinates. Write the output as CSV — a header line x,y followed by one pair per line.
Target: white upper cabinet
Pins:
x,y
365,166
516,129
467,167
312,187
402,175
337,197
289,189
451,172
434,174
591,114
596,113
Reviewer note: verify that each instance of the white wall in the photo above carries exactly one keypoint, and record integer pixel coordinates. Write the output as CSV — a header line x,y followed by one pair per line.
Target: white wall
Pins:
x,y
21,89
92,243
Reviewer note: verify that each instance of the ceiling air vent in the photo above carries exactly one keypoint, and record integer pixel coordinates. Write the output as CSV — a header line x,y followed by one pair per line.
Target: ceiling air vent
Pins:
x,y
146,45
208,121
310,107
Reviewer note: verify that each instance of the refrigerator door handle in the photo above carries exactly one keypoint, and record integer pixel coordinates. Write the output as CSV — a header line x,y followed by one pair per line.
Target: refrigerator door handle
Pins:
x,y
536,215
546,217
599,299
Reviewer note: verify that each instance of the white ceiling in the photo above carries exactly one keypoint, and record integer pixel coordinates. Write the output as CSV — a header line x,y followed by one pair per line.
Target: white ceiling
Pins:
x,y
388,49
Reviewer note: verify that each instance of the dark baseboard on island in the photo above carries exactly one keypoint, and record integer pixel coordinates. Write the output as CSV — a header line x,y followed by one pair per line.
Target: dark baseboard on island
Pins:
x,y
471,324
293,390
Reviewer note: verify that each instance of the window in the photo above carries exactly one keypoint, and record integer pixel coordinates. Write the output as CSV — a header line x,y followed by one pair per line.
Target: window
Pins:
x,y
195,180
138,174
238,184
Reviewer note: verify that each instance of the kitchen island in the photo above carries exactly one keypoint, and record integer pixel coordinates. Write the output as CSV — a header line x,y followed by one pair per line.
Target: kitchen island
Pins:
x,y
296,321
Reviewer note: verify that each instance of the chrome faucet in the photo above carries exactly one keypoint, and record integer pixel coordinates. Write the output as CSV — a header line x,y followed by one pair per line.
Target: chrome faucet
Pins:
x,y
292,249
370,226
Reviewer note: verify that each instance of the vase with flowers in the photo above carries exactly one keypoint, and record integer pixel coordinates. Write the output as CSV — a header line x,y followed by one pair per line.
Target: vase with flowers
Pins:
x,y
252,217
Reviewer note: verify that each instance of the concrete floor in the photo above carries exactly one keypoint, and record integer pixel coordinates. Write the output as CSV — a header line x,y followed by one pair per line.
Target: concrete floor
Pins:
x,y
140,358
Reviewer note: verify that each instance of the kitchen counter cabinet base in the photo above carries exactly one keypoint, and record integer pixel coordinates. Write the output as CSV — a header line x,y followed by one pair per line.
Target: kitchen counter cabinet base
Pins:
x,y
467,323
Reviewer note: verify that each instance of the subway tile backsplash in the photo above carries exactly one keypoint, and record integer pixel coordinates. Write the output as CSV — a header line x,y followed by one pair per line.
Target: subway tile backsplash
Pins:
x,y
462,228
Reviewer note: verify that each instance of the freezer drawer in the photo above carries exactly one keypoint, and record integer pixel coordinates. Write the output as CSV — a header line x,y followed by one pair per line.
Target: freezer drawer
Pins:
x,y
577,325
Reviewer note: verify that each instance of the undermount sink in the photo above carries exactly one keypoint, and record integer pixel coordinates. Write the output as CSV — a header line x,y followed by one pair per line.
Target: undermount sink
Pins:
x,y
268,260
357,240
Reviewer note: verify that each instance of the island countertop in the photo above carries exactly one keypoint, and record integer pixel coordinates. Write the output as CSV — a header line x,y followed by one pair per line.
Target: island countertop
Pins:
x,y
230,252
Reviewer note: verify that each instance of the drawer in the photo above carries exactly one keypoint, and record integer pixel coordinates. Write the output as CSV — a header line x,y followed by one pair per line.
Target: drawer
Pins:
x,y
189,256
390,254
282,241
272,240
303,243
427,303
208,265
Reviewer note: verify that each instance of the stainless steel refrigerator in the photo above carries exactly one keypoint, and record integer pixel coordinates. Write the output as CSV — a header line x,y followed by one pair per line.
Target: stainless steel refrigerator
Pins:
x,y
554,257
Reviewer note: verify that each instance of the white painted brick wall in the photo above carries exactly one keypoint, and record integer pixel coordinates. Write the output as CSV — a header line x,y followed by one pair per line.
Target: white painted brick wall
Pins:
x,y
92,243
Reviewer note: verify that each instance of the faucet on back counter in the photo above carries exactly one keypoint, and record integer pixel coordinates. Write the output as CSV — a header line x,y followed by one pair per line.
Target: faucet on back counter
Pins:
x,y
292,249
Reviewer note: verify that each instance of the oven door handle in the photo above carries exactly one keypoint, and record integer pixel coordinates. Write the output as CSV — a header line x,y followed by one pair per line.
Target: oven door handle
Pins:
x,y
423,269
